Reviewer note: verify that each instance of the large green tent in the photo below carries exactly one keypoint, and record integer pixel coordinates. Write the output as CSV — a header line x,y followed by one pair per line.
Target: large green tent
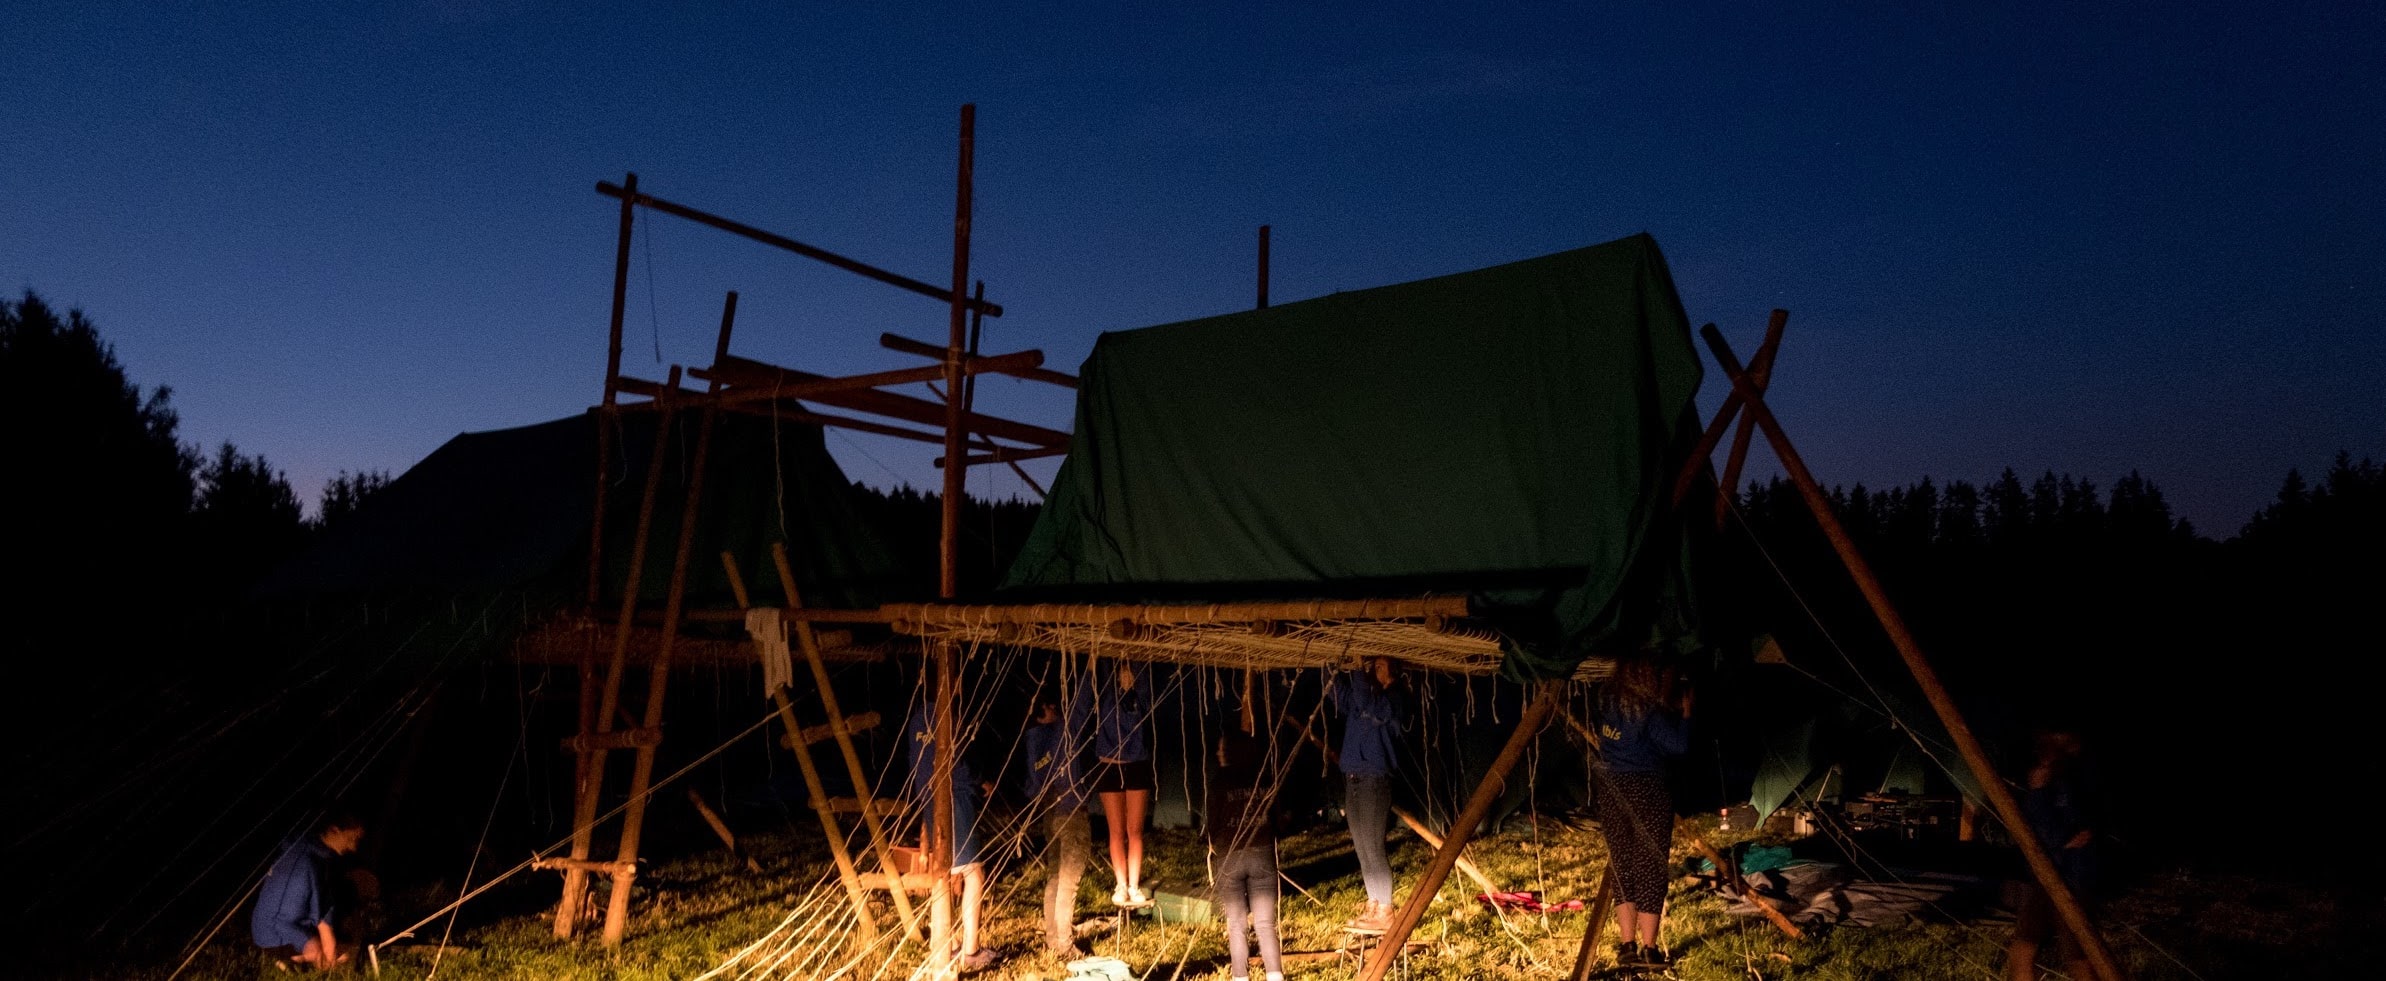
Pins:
x,y
1510,433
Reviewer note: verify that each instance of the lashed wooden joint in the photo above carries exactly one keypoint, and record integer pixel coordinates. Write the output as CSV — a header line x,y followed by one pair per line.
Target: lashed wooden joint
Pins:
x,y
639,738
853,805
825,731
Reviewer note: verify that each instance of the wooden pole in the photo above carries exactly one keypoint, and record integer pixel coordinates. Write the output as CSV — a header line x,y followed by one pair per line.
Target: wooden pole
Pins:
x,y
1699,459
854,266
1730,876
621,285
1602,903
633,820
2000,797
940,836
822,807
1412,912
720,829
1465,865
1263,267
591,768
1760,371
809,642
606,418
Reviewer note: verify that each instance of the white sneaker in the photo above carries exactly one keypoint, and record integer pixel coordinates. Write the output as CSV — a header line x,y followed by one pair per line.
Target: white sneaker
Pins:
x,y
1118,894
1137,898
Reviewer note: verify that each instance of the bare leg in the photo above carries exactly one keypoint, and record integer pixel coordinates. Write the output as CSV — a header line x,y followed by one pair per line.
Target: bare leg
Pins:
x,y
2021,960
973,893
1137,802
1114,813
1649,920
1627,923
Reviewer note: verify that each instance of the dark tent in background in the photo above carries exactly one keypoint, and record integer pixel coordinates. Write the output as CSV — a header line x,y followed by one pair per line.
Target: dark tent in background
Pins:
x,y
512,509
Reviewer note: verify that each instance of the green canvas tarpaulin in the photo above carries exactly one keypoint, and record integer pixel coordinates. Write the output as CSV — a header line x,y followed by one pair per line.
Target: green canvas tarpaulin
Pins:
x,y
512,509
1510,432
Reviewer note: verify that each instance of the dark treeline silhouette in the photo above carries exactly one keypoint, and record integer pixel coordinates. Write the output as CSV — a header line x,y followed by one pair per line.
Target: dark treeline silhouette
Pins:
x,y
108,491
2218,678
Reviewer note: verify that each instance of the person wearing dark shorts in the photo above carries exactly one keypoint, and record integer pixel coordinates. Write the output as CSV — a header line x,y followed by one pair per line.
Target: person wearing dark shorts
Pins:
x,y
1121,709
1641,725
1117,778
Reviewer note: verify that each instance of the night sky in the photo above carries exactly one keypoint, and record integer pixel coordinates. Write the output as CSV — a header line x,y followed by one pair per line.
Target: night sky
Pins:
x,y
2078,237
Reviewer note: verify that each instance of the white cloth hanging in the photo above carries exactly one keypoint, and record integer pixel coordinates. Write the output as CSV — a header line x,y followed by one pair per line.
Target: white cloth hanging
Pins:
x,y
769,630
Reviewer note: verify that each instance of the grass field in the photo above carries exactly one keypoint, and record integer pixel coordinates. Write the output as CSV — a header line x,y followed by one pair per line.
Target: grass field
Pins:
x,y
695,914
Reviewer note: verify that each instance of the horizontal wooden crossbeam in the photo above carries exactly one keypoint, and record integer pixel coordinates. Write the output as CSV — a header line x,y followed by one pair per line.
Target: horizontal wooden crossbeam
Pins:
x,y
856,266
904,407
853,805
898,342
584,865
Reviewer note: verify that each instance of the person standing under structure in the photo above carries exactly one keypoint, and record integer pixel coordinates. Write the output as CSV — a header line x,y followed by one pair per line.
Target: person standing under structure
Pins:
x,y
920,738
1374,713
1240,818
1123,776
1056,802
1642,723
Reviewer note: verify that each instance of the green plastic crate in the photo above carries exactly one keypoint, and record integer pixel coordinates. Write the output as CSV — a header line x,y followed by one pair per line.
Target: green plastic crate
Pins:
x,y
1169,907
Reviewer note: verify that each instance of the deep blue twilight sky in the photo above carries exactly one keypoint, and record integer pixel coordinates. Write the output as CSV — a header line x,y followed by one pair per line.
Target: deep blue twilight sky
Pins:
x,y
2079,237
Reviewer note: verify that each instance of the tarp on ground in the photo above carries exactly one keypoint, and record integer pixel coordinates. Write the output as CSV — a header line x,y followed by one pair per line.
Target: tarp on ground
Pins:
x,y
513,508
1510,432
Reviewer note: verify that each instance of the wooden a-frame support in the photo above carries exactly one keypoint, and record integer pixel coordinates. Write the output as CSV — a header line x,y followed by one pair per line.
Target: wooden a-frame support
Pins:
x,y
1747,395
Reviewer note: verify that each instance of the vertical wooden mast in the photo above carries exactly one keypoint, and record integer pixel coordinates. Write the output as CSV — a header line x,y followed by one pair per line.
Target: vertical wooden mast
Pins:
x,y
941,790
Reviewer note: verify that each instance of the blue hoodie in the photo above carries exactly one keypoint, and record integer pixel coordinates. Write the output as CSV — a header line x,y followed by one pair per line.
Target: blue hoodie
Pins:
x,y
1372,720
1640,742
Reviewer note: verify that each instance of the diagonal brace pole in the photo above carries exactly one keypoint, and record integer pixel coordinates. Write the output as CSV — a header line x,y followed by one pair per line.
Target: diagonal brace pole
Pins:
x,y
2000,796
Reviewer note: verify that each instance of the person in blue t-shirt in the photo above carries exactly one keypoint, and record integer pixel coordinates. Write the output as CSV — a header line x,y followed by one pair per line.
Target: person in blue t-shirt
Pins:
x,y
292,920
1123,778
1056,801
920,738
1374,713
1643,721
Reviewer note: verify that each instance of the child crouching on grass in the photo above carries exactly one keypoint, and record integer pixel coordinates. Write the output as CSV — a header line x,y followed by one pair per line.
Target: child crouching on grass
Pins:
x,y
1241,819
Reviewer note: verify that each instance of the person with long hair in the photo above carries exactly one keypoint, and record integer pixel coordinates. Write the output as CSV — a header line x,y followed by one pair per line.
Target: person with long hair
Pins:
x,y
1123,776
1643,722
1240,818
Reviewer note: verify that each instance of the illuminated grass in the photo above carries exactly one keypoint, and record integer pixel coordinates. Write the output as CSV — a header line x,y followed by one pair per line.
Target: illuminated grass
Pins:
x,y
693,914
